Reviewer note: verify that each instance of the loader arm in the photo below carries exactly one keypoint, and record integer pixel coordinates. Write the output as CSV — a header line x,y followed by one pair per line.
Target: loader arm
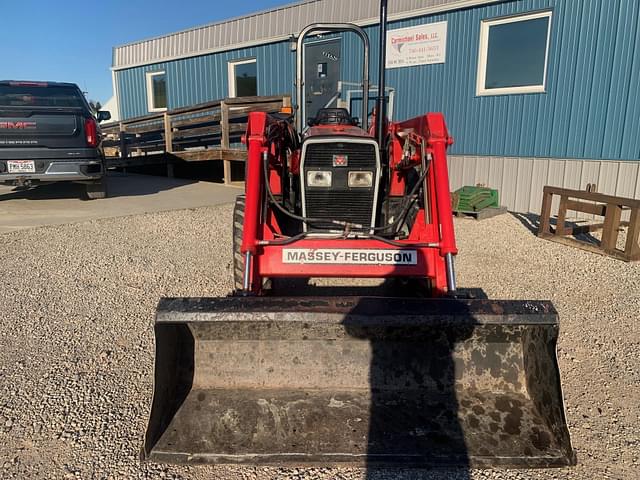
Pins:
x,y
428,249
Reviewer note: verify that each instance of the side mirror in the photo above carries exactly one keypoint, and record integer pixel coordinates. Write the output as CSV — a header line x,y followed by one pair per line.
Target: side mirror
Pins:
x,y
355,121
311,122
104,115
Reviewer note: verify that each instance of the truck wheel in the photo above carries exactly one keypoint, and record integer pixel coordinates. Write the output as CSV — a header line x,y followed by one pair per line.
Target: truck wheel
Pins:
x,y
96,190
238,260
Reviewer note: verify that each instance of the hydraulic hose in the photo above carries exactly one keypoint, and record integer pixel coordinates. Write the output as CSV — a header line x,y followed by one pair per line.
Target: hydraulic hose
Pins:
x,y
394,227
340,223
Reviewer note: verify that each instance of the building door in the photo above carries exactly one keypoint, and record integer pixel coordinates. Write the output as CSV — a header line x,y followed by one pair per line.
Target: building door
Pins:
x,y
321,75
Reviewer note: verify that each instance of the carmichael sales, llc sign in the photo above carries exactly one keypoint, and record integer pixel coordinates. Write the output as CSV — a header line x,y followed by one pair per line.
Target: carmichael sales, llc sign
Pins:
x,y
420,45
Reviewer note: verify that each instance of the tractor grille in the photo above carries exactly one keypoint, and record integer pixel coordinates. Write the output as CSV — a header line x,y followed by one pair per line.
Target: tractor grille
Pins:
x,y
339,202
344,206
362,156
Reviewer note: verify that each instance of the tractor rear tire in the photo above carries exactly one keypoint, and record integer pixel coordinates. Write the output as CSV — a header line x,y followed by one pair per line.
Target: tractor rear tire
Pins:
x,y
238,259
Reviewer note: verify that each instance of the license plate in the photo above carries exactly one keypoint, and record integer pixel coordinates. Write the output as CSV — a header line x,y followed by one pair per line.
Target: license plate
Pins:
x,y
347,256
21,166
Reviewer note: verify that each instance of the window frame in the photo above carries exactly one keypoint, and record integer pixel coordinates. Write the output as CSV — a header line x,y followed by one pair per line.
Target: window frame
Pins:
x,y
150,100
231,74
483,51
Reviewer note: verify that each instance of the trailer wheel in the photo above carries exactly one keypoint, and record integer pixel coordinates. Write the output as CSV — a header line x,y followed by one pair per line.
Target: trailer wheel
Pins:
x,y
238,260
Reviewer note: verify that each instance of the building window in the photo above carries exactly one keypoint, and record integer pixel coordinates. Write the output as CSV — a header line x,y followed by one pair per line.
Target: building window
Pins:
x,y
513,54
156,91
243,78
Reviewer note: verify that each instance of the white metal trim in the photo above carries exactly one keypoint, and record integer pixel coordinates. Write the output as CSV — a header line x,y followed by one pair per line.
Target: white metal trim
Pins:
x,y
116,93
231,73
149,80
335,140
420,12
483,48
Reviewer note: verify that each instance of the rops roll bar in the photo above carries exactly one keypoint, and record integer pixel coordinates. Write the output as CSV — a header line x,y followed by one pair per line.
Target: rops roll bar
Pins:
x,y
329,27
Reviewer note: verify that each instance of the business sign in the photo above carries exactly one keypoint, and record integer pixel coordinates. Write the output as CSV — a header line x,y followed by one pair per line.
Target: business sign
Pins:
x,y
421,45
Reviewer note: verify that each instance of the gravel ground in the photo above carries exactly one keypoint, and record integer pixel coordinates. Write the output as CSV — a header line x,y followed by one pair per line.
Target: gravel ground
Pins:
x,y
77,305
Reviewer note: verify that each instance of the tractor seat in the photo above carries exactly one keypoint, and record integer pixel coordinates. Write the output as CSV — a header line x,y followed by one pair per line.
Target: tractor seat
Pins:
x,y
332,116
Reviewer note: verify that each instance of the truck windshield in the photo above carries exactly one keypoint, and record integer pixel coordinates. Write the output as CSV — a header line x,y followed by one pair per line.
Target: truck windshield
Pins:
x,y
36,96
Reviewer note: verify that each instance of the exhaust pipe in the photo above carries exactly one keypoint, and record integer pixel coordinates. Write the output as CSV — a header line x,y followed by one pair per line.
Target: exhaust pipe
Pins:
x,y
381,103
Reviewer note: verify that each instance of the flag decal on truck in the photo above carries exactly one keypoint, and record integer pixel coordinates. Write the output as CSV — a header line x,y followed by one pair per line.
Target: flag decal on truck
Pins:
x,y
347,256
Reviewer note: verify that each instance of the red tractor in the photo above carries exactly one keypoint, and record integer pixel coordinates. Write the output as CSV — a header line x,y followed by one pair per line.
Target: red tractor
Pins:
x,y
344,200
268,376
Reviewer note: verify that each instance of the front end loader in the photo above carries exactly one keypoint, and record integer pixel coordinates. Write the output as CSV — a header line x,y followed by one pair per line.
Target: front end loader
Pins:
x,y
415,374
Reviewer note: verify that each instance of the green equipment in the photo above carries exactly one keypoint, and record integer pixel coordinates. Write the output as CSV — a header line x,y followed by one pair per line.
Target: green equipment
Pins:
x,y
474,199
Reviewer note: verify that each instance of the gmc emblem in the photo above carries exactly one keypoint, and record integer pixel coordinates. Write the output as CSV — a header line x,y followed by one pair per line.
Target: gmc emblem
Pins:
x,y
18,125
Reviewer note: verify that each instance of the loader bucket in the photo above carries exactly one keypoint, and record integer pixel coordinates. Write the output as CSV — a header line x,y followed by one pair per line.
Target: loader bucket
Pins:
x,y
364,381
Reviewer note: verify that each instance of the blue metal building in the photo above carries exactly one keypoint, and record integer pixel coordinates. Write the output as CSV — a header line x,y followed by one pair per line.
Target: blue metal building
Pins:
x,y
535,92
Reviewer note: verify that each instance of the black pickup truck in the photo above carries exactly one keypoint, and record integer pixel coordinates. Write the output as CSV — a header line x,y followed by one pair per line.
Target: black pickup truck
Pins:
x,y
48,133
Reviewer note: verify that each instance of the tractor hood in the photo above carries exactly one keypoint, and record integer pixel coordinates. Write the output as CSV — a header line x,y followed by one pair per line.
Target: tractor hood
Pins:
x,y
331,130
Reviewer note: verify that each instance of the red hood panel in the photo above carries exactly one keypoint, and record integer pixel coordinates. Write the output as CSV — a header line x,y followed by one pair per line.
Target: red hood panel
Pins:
x,y
346,130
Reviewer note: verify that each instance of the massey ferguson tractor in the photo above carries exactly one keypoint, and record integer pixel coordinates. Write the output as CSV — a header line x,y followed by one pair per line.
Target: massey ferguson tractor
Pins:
x,y
415,375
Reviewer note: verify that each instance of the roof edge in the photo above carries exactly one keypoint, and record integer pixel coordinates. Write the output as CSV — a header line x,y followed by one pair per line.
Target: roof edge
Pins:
x,y
213,24
420,12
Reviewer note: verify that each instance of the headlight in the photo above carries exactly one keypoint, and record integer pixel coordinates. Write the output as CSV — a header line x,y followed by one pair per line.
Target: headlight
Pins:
x,y
318,178
360,179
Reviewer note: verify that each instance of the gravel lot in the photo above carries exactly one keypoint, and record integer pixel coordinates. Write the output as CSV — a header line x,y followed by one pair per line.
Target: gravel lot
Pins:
x,y
77,305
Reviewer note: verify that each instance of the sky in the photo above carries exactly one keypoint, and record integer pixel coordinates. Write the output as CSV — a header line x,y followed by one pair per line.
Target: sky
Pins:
x,y
72,40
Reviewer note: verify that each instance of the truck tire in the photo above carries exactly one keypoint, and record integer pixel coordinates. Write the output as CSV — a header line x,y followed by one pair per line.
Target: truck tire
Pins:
x,y
96,190
238,260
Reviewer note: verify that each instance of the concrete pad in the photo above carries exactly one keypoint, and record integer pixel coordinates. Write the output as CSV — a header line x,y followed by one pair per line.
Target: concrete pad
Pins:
x,y
129,194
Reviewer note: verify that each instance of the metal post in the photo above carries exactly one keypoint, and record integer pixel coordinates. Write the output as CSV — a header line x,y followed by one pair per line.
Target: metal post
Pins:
x,y
224,139
123,143
380,132
451,274
168,144
246,283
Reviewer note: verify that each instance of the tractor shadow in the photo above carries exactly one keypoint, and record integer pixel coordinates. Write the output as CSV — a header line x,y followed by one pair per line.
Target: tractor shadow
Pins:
x,y
531,222
414,406
414,428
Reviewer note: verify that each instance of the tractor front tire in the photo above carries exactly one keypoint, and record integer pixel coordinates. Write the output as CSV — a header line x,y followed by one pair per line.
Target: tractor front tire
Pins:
x,y
238,259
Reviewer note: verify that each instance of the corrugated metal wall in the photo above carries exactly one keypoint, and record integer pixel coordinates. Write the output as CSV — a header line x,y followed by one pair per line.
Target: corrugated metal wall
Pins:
x,y
205,78
520,180
591,108
264,26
